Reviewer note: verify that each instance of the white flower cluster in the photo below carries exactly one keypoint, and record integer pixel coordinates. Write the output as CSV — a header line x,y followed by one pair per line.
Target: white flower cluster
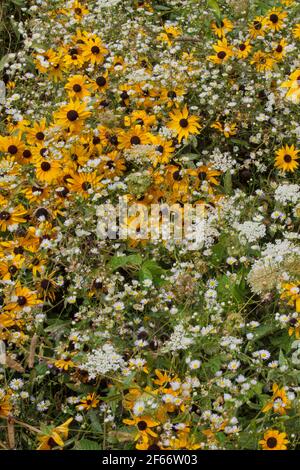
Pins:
x,y
287,193
178,339
102,360
278,262
251,231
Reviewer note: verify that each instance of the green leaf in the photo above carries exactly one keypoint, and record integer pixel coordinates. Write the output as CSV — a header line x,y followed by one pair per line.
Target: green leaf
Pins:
x,y
96,425
117,262
228,182
214,5
87,444
3,62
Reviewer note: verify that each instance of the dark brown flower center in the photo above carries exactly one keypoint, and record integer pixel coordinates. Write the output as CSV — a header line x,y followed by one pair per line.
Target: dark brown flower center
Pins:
x,y
27,153
4,215
274,18
12,270
279,48
21,300
45,284
287,158
96,140
78,11
135,140
242,47
257,25
272,442
159,149
177,176
142,425
12,149
221,55
95,50
40,135
172,94
72,115
183,123
45,166
114,140
77,88
101,81
86,186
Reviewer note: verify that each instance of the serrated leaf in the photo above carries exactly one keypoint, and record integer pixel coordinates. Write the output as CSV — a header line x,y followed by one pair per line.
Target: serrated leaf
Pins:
x,y
87,444
121,261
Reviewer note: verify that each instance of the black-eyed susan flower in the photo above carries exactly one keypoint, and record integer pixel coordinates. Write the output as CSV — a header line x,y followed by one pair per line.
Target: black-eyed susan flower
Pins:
x,y
279,50
258,27
183,123
55,437
136,135
279,402
12,216
275,19
296,31
84,183
222,27
21,298
77,87
286,158
228,129
89,402
94,50
262,61
223,52
12,145
243,49
291,292
144,425
293,85
274,440
72,116
35,135
47,171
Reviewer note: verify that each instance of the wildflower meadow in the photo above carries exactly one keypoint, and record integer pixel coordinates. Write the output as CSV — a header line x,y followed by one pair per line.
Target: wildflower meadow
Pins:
x,y
149,225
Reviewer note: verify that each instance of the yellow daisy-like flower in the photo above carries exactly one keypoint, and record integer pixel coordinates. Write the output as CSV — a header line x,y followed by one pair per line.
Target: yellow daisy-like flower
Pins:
x,y
243,49
292,293
274,440
293,94
35,135
279,402
258,27
223,52
77,87
94,51
79,10
22,297
72,116
275,19
144,425
296,31
227,129
183,123
133,136
262,61
55,437
222,27
12,216
90,401
47,171
12,145
286,158
279,50
83,183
